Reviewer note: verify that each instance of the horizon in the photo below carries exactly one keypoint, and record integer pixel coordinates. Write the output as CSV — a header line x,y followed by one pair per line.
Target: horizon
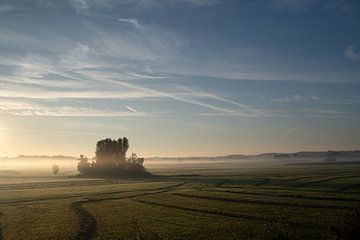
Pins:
x,y
187,156
230,77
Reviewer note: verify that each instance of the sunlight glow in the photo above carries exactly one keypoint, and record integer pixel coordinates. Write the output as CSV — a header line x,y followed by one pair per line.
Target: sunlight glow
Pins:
x,y
1,133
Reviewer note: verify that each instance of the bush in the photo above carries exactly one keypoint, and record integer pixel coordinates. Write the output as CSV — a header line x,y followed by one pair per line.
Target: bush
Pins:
x,y
55,169
133,166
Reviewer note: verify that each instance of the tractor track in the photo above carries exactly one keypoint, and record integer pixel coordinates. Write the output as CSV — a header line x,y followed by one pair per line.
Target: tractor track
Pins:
x,y
1,226
207,211
222,182
35,200
60,184
349,187
323,181
272,203
292,188
88,225
223,214
263,181
287,195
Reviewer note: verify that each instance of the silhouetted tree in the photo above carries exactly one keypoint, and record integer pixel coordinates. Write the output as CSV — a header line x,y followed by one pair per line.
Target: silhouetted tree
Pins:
x,y
83,166
125,146
55,169
120,150
135,163
111,160
110,151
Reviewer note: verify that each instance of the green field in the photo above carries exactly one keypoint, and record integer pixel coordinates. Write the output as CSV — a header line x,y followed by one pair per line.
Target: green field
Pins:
x,y
277,202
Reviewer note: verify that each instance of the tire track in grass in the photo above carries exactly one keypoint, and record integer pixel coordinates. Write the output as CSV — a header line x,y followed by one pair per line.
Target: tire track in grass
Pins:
x,y
272,187
349,187
306,225
223,199
287,195
222,182
9,202
296,179
59,184
1,226
263,181
323,181
208,211
88,225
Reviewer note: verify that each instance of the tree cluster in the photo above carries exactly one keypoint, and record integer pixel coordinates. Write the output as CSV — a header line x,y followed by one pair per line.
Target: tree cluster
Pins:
x,y
111,160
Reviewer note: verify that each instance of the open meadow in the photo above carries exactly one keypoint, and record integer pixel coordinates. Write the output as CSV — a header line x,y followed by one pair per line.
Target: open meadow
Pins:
x,y
184,201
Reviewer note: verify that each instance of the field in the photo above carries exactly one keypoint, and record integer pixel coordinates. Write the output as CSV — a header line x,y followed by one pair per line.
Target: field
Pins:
x,y
181,202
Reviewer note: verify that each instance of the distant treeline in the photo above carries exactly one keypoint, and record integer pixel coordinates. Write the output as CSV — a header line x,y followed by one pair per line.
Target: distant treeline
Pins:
x,y
309,154
45,157
304,154
335,154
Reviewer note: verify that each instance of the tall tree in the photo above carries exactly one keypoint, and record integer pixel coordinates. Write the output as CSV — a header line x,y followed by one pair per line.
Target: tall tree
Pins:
x,y
109,151
125,147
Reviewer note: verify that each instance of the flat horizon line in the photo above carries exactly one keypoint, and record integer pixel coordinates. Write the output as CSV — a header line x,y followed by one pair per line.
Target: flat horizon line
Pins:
x,y
193,156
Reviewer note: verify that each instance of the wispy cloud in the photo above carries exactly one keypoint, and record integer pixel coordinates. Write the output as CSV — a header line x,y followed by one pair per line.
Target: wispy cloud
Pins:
x,y
295,98
28,107
202,2
325,113
292,4
132,21
132,109
81,6
77,112
6,8
107,64
351,52
342,6
87,133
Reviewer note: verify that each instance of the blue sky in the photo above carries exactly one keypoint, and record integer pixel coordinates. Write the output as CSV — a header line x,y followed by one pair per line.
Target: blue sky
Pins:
x,y
179,77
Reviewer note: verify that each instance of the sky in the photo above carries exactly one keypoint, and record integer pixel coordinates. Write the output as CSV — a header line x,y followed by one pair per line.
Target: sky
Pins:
x,y
179,77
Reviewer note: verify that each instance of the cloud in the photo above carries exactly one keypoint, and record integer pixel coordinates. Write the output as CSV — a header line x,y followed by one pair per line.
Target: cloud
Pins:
x,y
292,4
131,109
132,21
80,5
190,97
338,6
293,98
325,113
77,112
114,65
86,5
28,107
52,131
202,2
351,53
18,104
4,8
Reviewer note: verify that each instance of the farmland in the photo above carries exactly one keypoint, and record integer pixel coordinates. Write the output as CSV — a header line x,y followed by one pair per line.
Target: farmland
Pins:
x,y
181,202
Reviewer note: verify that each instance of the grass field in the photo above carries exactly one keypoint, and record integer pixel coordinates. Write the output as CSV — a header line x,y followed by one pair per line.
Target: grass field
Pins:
x,y
278,202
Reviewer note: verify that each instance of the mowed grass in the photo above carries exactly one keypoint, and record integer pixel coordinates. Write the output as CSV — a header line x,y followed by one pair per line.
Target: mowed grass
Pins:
x,y
287,202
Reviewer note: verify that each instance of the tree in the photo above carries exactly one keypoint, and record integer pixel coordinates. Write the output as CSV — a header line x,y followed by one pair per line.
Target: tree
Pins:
x,y
125,146
55,169
109,152
83,166
111,160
